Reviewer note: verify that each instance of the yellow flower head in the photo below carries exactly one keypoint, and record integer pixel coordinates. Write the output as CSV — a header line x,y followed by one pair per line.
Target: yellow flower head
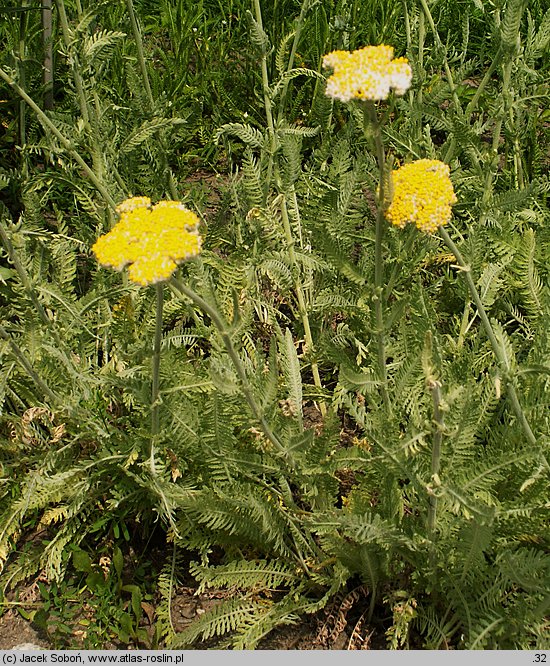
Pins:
x,y
422,195
368,73
153,239
131,204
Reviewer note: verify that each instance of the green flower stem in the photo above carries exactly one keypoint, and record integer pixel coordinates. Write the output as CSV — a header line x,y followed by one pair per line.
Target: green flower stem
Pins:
x,y
301,300
419,94
470,109
297,33
407,25
141,56
497,350
78,81
237,363
31,291
369,114
464,325
155,420
136,32
21,56
492,170
437,40
435,388
22,273
267,102
398,266
20,356
47,76
47,123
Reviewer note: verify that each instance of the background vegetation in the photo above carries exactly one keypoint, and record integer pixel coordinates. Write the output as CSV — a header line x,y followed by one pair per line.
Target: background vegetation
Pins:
x,y
414,482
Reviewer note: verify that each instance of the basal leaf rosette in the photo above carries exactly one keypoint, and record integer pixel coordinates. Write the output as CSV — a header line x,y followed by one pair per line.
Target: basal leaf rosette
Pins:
x,y
422,195
151,239
369,73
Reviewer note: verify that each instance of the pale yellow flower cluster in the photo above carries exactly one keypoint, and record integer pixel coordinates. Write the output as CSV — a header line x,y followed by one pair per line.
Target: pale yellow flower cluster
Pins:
x,y
422,195
368,74
152,239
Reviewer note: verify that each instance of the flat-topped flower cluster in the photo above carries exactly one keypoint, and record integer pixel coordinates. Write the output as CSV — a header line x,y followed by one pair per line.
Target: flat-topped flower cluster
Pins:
x,y
151,239
368,74
422,195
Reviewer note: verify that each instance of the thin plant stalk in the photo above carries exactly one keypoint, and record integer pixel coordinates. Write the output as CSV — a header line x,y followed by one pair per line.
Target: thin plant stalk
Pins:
x,y
267,103
90,115
398,267
419,94
295,41
48,53
155,414
145,76
437,39
492,170
472,105
497,349
141,56
407,23
370,115
26,365
301,300
78,81
23,276
47,123
284,209
435,388
21,70
222,327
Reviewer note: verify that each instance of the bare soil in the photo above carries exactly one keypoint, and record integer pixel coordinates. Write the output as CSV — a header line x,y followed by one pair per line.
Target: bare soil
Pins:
x,y
341,626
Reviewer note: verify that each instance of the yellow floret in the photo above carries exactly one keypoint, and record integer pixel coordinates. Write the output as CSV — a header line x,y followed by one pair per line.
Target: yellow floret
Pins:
x,y
368,74
151,269
422,195
133,203
152,239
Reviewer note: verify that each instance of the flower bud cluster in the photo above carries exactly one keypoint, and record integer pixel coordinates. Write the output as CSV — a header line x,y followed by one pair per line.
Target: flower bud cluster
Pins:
x,y
151,239
368,74
422,195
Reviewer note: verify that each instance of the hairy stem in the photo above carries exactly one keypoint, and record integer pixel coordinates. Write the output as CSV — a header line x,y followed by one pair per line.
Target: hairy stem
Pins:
x,y
470,109
267,104
369,112
310,347
155,420
22,273
438,43
21,70
497,350
295,41
435,388
48,124
221,325
25,364
75,68
136,32
139,47
47,76
493,169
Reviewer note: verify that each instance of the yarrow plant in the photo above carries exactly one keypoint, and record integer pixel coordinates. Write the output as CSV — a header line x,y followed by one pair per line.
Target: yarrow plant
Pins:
x,y
367,74
422,195
152,239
